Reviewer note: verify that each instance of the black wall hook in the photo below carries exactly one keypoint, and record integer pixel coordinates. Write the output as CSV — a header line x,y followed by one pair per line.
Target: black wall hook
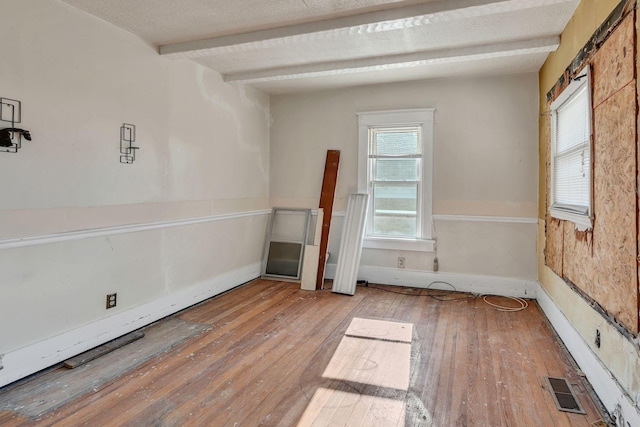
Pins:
x,y
11,139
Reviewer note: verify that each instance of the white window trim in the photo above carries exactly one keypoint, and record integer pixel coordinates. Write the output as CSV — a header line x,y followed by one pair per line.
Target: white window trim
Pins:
x,y
423,117
582,222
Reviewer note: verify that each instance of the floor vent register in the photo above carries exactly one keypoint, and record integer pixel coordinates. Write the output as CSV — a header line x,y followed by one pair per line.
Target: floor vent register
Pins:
x,y
563,395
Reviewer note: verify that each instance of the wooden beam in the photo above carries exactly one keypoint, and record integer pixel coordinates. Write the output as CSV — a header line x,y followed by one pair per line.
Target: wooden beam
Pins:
x,y
326,203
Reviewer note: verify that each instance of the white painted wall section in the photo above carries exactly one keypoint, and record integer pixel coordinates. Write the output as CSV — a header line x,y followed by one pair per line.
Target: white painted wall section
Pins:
x,y
485,167
75,224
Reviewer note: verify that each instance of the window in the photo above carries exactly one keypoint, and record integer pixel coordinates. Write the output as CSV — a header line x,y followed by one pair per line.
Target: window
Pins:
x,y
571,153
395,167
395,156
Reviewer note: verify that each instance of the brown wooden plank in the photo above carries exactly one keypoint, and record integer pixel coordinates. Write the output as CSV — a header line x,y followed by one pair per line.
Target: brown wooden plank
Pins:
x,y
457,405
227,306
105,348
507,382
11,419
522,385
327,195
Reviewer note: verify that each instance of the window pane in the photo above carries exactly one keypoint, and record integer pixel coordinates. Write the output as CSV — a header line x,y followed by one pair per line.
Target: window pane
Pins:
x,y
572,125
572,178
396,170
395,209
395,142
571,149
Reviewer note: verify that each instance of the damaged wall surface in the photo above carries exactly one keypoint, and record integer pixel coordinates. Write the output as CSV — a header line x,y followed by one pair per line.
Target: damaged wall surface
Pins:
x,y
602,261
592,277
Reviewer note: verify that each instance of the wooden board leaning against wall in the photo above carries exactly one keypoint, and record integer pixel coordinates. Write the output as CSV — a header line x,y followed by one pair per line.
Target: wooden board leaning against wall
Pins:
x,y
602,263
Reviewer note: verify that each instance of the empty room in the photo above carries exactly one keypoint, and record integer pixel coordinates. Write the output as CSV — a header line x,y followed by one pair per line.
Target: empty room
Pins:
x,y
314,212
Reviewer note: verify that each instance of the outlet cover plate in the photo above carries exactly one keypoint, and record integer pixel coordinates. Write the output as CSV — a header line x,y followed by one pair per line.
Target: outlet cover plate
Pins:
x,y
112,300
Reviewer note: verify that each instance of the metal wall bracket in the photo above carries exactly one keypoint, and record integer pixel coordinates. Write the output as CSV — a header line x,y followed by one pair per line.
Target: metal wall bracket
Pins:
x,y
127,138
11,137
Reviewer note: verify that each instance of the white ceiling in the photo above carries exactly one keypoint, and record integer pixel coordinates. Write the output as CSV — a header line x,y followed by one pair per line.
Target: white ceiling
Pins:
x,y
283,46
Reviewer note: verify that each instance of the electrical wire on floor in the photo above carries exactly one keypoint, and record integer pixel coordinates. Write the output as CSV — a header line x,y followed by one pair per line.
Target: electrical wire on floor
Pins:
x,y
447,296
443,297
523,304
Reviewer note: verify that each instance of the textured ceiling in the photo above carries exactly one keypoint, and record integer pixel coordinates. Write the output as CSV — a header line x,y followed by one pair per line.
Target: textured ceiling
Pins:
x,y
296,45
170,21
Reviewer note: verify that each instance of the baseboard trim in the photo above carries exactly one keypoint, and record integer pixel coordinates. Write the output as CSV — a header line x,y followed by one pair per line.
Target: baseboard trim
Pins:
x,y
606,387
33,358
490,285
121,229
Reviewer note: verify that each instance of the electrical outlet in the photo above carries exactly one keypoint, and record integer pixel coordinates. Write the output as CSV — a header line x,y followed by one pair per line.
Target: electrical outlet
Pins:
x,y
400,262
597,338
111,300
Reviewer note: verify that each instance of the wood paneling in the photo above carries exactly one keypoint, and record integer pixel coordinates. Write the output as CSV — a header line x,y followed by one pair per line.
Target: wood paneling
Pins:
x,y
265,353
613,65
554,248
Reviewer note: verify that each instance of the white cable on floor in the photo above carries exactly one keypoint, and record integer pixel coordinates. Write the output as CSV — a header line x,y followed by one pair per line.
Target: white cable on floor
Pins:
x,y
523,304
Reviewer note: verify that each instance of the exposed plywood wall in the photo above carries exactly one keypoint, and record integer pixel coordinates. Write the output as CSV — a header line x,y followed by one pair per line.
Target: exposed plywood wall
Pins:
x,y
555,244
603,262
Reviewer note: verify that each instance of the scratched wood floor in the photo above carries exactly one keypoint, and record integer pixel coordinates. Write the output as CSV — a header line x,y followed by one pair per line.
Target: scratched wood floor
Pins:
x,y
262,358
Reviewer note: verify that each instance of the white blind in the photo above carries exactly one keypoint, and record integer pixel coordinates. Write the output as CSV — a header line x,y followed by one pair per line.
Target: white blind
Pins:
x,y
572,153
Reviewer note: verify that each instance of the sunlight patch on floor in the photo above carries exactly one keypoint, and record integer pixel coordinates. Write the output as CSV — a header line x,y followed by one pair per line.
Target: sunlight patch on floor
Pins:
x,y
365,361
374,360
334,407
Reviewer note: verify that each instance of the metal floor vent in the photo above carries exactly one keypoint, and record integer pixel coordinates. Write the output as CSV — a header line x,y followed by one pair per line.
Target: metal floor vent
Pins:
x,y
563,395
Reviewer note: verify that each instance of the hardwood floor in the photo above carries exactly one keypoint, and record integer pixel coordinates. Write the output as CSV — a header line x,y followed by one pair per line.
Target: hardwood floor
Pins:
x,y
275,355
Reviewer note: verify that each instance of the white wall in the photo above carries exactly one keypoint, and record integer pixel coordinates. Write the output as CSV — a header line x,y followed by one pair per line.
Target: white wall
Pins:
x,y
203,153
485,165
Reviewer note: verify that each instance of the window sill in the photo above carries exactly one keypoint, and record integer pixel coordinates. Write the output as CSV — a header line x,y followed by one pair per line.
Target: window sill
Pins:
x,y
415,245
582,222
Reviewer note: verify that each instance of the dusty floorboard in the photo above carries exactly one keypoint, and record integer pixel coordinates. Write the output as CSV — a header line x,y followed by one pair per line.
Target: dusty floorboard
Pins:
x,y
42,393
272,354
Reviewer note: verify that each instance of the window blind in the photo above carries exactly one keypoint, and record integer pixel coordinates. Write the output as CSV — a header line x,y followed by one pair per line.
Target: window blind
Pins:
x,y
572,154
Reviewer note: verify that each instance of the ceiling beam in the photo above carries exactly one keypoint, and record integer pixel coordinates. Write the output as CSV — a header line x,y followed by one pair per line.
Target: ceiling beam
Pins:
x,y
405,60
371,22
